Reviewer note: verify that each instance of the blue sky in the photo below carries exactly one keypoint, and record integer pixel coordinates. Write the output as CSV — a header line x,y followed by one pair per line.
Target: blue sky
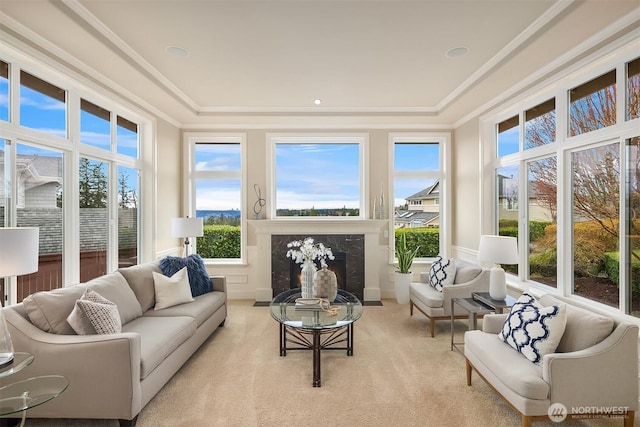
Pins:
x,y
309,175
41,112
414,158
322,176
46,114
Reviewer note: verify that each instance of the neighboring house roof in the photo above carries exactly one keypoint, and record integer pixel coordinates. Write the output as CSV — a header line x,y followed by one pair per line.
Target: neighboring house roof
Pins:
x,y
38,170
407,217
432,192
35,171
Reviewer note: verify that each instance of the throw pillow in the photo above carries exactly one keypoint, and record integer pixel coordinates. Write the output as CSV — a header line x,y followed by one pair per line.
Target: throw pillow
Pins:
x,y
115,288
533,329
94,314
442,272
48,310
172,290
199,279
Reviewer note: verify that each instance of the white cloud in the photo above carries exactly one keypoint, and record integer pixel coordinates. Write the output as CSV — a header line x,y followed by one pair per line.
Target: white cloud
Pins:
x,y
96,139
217,199
45,103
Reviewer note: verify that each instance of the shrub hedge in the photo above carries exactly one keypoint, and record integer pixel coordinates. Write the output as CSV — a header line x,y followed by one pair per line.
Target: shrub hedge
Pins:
x,y
220,241
612,268
428,238
595,251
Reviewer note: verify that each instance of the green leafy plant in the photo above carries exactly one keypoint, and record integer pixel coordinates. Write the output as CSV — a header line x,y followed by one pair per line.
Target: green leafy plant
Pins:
x,y
405,255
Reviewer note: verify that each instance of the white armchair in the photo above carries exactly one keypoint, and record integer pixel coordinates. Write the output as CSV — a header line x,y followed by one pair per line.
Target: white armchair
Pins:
x,y
593,371
436,305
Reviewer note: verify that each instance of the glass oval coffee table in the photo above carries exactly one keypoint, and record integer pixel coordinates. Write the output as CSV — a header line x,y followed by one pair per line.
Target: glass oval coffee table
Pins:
x,y
316,329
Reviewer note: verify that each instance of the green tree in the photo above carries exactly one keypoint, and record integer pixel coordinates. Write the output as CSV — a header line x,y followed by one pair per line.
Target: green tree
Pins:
x,y
127,196
92,184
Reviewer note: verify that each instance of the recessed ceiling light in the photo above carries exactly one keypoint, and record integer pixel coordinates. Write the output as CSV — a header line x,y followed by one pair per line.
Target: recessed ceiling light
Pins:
x,y
177,51
457,51
317,101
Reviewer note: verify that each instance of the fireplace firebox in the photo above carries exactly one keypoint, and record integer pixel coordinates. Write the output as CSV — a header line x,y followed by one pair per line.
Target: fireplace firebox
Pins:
x,y
348,265
338,265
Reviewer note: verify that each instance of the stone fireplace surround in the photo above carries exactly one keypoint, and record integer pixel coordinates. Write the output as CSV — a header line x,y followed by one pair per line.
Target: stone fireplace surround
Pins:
x,y
375,248
352,245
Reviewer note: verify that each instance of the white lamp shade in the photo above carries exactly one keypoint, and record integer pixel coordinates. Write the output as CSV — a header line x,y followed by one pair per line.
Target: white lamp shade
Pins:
x,y
187,227
498,249
18,250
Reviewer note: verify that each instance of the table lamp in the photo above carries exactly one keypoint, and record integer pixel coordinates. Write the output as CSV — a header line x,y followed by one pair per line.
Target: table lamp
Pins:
x,y
18,256
185,228
498,250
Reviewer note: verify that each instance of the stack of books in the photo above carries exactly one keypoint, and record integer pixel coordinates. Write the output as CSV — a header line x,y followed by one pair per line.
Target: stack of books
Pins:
x,y
312,304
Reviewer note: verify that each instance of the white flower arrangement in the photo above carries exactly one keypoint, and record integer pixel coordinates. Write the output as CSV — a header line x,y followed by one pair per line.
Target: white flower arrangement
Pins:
x,y
307,250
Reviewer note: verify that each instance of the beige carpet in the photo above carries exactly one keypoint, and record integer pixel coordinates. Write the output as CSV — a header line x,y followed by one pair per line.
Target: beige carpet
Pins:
x,y
398,376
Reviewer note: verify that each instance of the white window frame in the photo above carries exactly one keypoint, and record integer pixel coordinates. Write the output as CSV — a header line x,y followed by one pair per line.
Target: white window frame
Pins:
x,y
191,175
443,175
361,139
608,58
72,149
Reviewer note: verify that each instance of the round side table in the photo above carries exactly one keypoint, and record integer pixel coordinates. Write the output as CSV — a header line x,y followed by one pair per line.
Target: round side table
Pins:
x,y
25,394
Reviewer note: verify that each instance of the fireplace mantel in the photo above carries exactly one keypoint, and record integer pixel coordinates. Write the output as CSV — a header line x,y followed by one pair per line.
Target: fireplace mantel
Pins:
x,y
375,238
325,225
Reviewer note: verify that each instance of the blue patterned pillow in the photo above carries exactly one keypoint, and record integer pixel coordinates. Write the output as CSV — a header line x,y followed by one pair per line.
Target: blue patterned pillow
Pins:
x,y
442,272
199,279
533,329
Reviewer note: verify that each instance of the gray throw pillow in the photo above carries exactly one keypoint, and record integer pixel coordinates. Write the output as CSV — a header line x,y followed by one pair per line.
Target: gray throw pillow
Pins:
x,y
94,314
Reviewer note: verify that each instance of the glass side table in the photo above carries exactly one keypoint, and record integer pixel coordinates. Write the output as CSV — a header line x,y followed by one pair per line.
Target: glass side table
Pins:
x,y
25,394
474,309
499,305
479,304
20,361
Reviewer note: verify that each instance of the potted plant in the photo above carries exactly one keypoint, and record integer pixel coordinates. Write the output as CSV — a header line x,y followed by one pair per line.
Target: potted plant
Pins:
x,y
403,275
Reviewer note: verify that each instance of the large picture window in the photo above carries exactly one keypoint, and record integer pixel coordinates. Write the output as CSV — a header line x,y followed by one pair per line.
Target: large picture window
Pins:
x,y
318,176
575,214
419,208
218,189
508,191
62,155
595,215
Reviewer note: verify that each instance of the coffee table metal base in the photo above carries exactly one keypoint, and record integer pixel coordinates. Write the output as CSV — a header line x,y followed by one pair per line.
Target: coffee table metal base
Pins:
x,y
312,339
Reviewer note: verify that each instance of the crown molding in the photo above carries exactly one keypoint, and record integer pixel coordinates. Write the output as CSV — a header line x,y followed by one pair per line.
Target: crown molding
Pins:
x,y
129,52
559,65
61,61
322,126
522,38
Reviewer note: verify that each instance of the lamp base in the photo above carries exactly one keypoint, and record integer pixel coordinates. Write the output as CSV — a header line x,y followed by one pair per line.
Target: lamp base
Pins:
x,y
497,283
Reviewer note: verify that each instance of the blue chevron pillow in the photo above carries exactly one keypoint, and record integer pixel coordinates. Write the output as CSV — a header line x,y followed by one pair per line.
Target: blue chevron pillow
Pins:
x,y
199,279
533,329
442,272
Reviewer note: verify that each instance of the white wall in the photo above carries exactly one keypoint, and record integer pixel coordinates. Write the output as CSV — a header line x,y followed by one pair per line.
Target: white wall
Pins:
x,y
168,188
467,209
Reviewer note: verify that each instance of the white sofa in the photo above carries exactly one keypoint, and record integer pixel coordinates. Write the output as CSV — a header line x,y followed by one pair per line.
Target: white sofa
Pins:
x,y
594,368
436,305
112,376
